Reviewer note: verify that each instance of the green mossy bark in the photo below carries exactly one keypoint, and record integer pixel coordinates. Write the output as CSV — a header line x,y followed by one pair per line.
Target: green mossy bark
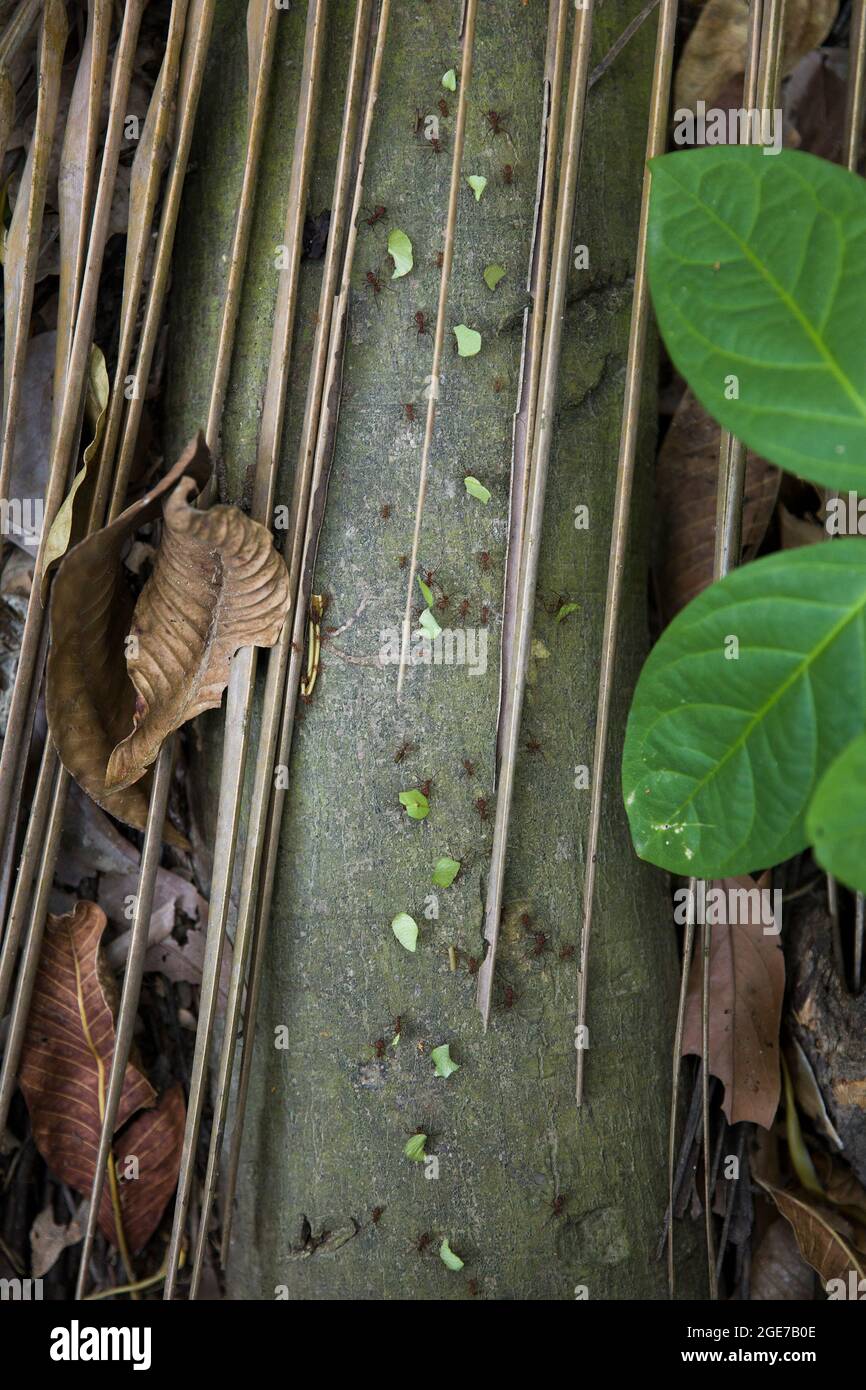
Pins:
x,y
327,1121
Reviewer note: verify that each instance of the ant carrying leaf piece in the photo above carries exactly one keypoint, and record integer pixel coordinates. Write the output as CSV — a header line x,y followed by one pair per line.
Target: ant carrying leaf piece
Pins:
x,y
445,872
400,251
476,489
429,625
449,80
478,183
405,928
492,275
448,1258
416,803
414,1148
468,341
443,1061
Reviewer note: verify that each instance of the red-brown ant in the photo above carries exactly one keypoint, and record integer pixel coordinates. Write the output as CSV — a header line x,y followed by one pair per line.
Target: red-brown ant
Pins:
x,y
485,614
464,607
372,280
419,319
402,561
566,952
422,1243
442,602
376,1215
481,807
440,259
533,745
376,216
558,1204
508,173
426,786
494,120
385,511
443,106
509,998
484,560
379,1047
406,747
409,408
472,965
468,767
472,1287
540,940
498,384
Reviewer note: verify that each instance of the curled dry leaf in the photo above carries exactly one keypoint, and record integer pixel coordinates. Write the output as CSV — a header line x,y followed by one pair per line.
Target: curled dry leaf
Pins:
x,y
823,1234
217,585
90,700
686,484
716,48
778,1270
48,1240
747,985
65,1065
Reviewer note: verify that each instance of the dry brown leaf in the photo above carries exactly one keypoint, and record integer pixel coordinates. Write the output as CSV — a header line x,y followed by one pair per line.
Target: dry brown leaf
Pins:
x,y
217,585
48,1240
687,474
778,1269
716,48
66,1060
90,700
747,985
823,1234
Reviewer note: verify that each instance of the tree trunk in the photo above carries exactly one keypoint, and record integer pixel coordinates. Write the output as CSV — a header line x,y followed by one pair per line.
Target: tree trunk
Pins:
x,y
328,1120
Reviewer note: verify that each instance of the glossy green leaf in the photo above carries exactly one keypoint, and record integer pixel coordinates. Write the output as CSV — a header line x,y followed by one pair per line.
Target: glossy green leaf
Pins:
x,y
757,266
478,183
836,823
443,1061
564,611
445,872
447,1256
415,1148
746,698
405,928
468,340
400,251
429,597
449,80
492,275
416,803
476,489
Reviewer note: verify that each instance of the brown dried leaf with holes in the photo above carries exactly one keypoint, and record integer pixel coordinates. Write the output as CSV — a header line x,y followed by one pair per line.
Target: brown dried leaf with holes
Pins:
x,y
65,1065
217,585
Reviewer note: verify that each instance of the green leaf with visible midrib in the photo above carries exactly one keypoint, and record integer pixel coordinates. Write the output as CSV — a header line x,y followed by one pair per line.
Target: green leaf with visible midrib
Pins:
x,y
836,822
722,755
757,266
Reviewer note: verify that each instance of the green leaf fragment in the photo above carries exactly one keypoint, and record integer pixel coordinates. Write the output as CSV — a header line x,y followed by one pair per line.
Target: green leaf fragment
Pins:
x,y
416,803
429,625
476,489
565,610
405,928
443,1061
445,872
447,1256
400,251
468,341
414,1149
449,80
478,183
492,275
429,598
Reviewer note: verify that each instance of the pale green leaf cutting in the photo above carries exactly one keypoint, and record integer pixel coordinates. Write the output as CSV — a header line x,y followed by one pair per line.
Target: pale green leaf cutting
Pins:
x,y
416,803
757,267
405,928
478,183
468,340
429,625
400,251
443,1061
836,823
429,598
449,80
415,1148
476,489
447,1256
745,700
565,610
445,872
492,275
